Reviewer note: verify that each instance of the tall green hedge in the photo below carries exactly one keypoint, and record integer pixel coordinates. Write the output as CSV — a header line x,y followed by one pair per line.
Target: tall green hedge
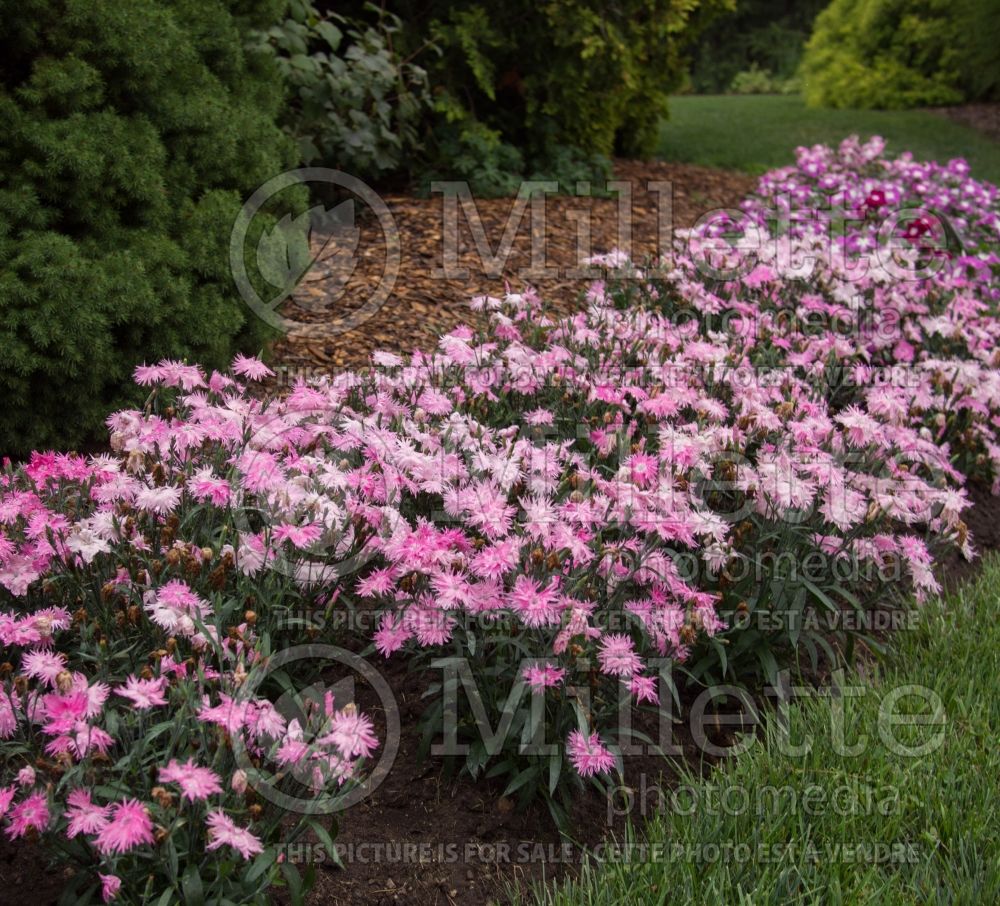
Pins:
x,y
130,133
894,54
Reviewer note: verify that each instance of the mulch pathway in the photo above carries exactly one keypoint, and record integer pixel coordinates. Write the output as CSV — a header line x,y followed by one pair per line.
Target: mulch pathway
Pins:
x,y
423,305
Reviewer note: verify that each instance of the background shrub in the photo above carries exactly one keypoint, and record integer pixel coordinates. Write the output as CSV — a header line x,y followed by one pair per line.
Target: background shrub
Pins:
x,y
582,73
761,81
133,130
894,54
525,89
354,103
752,35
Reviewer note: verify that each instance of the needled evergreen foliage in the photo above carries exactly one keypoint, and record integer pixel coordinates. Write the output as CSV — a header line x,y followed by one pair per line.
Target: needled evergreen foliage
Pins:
x,y
131,131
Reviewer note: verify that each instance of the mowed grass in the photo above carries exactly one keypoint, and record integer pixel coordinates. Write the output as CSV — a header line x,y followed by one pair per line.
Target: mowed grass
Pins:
x,y
929,834
757,132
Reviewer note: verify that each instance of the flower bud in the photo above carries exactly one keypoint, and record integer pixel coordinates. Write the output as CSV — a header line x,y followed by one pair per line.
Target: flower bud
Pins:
x,y
44,627
162,797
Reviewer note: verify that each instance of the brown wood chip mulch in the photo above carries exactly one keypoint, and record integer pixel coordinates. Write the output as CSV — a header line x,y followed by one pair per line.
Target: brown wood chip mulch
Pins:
x,y
424,304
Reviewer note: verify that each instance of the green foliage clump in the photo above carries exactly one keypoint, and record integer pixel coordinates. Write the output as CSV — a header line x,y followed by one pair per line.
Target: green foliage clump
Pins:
x,y
528,89
583,74
133,130
761,81
354,102
896,54
471,152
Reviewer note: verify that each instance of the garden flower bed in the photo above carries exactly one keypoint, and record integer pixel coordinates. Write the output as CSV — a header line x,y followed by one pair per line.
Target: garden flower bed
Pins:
x,y
600,510
903,825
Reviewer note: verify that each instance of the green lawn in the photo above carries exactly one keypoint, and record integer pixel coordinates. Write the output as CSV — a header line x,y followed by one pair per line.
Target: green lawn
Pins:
x,y
757,132
934,815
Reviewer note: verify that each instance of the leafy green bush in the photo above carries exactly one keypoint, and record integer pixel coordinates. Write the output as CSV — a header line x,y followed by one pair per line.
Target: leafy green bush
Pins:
x,y
473,153
761,81
355,103
523,88
581,73
893,54
133,130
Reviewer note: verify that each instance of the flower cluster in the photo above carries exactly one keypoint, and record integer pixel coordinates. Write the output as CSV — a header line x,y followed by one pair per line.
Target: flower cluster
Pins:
x,y
874,278
567,504
135,709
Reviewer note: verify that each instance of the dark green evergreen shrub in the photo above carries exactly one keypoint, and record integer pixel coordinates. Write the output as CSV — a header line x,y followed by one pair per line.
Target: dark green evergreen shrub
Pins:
x,y
131,131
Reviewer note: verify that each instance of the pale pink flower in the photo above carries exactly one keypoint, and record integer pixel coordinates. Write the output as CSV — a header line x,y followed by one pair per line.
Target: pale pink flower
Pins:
x,y
230,713
539,417
110,885
161,501
223,832
588,754
31,814
644,689
352,733
143,693
535,605
300,536
128,826
7,794
174,606
206,485
195,782
617,655
84,816
378,583
541,676
147,375
391,636
251,367
10,705
43,665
